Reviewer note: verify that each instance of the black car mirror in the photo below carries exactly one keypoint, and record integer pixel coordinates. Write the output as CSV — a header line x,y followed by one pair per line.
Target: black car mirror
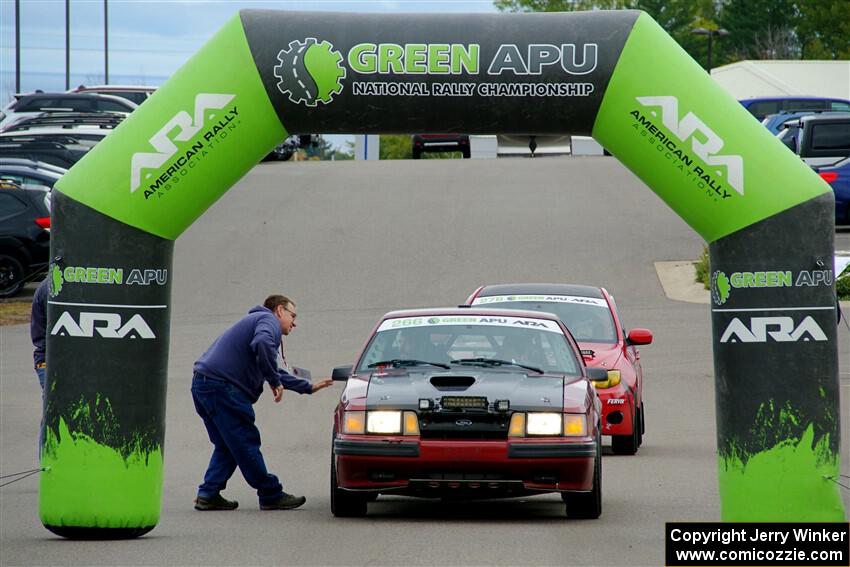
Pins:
x,y
341,373
596,374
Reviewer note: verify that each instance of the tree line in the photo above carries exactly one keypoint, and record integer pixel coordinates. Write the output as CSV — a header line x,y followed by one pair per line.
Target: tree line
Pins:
x,y
758,29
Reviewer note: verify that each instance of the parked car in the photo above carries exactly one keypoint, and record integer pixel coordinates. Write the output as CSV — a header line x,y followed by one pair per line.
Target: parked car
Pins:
x,y
823,142
28,173
134,93
24,236
59,150
38,103
762,106
60,138
440,143
591,315
776,122
820,140
838,177
441,403
98,121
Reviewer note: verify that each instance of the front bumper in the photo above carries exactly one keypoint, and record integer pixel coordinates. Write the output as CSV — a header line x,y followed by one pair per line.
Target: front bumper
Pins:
x,y
483,468
617,407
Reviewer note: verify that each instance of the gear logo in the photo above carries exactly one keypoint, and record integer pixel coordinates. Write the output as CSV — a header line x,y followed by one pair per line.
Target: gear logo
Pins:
x,y
720,287
310,72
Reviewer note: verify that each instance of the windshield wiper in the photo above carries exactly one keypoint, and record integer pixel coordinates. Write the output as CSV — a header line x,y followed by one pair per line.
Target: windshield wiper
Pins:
x,y
494,362
403,362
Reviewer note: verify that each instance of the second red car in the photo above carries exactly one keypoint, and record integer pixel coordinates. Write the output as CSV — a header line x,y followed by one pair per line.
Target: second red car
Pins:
x,y
591,315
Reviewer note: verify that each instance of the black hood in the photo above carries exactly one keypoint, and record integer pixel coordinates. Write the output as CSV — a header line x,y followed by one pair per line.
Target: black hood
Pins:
x,y
526,392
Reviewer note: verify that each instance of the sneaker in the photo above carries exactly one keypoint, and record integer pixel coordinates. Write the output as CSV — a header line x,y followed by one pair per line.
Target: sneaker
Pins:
x,y
285,502
217,502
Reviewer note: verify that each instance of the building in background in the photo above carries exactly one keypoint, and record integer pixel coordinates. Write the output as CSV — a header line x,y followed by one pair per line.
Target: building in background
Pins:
x,y
748,79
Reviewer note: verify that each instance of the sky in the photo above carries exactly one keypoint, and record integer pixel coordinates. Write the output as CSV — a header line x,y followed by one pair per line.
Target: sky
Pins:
x,y
148,39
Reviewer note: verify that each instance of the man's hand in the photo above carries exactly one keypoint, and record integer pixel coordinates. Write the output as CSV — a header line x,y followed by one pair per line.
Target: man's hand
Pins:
x,y
278,393
322,384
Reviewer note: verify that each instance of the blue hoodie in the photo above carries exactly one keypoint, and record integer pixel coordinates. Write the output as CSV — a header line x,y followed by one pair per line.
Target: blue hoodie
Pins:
x,y
246,355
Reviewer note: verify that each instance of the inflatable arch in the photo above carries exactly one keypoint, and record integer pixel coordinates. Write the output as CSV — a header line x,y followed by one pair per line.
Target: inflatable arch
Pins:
x,y
614,75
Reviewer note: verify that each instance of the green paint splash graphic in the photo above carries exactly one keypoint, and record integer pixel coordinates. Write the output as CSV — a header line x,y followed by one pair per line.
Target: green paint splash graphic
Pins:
x,y
87,484
775,424
789,482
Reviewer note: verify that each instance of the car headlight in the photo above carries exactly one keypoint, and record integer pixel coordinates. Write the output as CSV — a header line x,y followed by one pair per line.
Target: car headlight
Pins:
x,y
569,425
381,422
385,422
543,424
613,380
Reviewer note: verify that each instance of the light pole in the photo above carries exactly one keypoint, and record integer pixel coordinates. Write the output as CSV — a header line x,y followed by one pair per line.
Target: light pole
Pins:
x,y
67,44
17,46
710,33
106,42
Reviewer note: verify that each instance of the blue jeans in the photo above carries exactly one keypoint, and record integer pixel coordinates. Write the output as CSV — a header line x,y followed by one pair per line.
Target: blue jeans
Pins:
x,y
229,418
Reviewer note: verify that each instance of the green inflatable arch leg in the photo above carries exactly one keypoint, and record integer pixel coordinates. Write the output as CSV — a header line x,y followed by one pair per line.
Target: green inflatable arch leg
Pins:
x,y
615,75
770,225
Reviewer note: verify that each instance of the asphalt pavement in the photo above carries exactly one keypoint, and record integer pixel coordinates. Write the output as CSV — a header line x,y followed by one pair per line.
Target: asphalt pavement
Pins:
x,y
349,241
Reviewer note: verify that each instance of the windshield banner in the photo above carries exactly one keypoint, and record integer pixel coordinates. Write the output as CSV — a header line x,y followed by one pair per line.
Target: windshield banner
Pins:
x,y
437,320
576,299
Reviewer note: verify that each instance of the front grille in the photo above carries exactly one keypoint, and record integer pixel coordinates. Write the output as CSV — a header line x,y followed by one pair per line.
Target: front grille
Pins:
x,y
463,425
448,435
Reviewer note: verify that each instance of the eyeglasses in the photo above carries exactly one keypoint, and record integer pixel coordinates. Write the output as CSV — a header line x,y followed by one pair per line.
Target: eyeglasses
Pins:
x,y
293,313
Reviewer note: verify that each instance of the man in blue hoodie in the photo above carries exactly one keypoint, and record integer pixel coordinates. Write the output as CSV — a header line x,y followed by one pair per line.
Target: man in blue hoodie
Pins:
x,y
228,380
38,330
38,334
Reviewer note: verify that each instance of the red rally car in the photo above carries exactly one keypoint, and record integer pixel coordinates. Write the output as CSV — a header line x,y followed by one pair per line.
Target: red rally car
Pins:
x,y
467,403
591,315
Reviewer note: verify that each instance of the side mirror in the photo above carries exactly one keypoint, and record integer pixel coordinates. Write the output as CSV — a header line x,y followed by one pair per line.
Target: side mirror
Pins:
x,y
341,373
639,337
597,374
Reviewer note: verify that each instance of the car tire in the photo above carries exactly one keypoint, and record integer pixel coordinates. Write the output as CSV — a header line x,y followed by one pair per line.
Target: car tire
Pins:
x,y
627,444
466,153
587,505
344,504
12,278
417,154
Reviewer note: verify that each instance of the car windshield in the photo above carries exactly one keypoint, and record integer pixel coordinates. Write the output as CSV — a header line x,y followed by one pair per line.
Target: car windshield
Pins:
x,y
588,318
534,345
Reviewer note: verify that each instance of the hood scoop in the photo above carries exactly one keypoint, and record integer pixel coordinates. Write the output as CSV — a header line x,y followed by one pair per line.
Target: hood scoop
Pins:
x,y
452,383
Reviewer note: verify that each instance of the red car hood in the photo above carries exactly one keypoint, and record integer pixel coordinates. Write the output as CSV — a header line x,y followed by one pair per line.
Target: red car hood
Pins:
x,y
604,355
